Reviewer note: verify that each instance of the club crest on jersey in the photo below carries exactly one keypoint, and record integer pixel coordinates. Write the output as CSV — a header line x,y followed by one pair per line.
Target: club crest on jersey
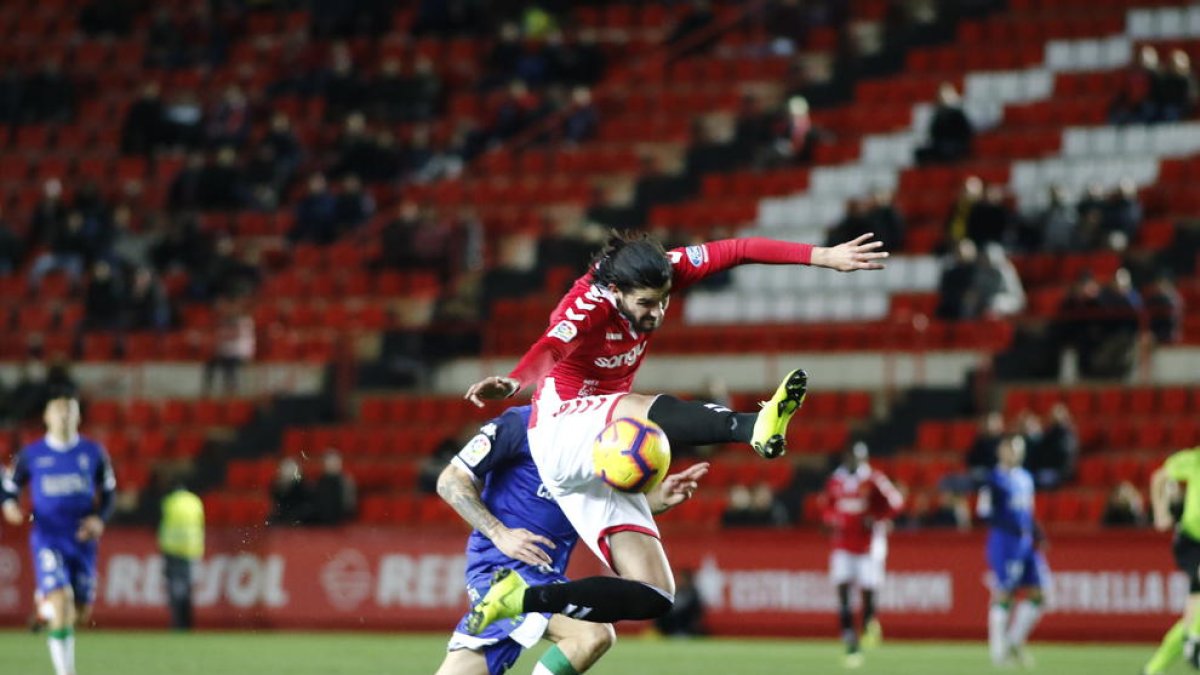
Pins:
x,y
565,331
697,255
83,463
475,450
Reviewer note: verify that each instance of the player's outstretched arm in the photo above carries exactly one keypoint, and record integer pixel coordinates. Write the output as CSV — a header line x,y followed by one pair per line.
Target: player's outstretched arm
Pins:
x,y
859,253
459,489
494,388
677,488
1160,501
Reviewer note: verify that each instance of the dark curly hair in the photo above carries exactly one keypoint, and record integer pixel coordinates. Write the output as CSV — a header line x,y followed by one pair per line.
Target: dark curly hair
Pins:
x,y
631,260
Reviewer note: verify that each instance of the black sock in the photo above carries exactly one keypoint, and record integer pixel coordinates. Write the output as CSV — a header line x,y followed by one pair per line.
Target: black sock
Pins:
x,y
868,600
845,616
699,423
599,599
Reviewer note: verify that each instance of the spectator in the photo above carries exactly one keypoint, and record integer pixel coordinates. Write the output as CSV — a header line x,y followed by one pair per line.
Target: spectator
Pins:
x,y
796,137
950,131
1164,307
334,495
503,57
221,183
226,274
1053,456
1075,325
996,286
130,246
291,502
12,251
105,299
184,119
146,308
991,220
956,288
582,119
356,147
1125,507
340,85
286,150
686,616
885,220
1120,307
853,224
756,506
353,206
69,251
958,223
1135,102
1121,215
1177,91
181,247
143,129
1054,229
49,95
426,90
982,455
391,92
187,189
229,122
49,214
951,510
316,214
519,108
234,346
388,163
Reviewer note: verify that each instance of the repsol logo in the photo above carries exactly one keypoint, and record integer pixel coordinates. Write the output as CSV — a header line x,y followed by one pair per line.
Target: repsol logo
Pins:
x,y
627,359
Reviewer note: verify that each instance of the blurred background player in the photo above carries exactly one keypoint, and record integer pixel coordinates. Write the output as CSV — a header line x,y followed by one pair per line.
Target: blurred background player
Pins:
x,y
72,485
1184,636
583,368
494,485
1013,553
181,542
859,504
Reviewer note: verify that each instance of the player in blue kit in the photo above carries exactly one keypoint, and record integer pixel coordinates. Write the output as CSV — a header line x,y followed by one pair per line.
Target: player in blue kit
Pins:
x,y
72,485
1013,555
494,485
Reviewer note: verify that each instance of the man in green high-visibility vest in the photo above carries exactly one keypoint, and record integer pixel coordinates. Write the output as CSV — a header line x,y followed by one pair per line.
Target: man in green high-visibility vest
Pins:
x,y
181,541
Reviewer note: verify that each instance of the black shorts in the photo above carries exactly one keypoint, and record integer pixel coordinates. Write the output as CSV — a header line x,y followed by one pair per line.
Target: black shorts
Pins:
x,y
1187,558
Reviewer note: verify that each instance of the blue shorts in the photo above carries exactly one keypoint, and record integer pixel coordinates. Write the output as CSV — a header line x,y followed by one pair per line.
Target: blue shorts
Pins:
x,y
502,642
60,562
1015,562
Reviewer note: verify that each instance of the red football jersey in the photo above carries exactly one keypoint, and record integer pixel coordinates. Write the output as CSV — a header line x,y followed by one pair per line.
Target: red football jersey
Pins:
x,y
851,499
592,349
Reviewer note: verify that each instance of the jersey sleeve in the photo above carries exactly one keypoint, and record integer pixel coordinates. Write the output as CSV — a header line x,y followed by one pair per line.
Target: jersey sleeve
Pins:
x,y
498,443
1182,465
890,500
693,263
13,479
106,485
582,314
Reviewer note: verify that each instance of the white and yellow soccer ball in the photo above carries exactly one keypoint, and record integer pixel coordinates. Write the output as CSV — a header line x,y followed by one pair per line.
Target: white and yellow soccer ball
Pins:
x,y
631,455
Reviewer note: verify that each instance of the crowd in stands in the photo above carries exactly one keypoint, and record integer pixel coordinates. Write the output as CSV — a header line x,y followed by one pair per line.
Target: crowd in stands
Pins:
x,y
1152,92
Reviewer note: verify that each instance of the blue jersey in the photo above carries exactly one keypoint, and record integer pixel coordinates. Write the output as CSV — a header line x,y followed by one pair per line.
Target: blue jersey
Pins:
x,y
67,484
1006,502
512,490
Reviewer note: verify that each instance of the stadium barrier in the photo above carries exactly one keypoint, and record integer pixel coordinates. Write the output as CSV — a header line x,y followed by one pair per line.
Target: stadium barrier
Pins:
x,y
1106,586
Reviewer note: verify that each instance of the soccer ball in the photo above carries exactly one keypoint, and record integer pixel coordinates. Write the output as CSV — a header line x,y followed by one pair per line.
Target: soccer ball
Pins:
x,y
631,455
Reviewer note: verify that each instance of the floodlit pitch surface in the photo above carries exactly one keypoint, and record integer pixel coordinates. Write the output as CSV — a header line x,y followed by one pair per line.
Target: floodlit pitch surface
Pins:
x,y
262,653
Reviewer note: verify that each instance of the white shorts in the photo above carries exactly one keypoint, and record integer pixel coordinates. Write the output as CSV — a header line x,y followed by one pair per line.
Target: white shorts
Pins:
x,y
560,440
864,570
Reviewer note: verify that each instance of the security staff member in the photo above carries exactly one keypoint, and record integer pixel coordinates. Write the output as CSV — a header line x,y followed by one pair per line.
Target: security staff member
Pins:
x,y
181,541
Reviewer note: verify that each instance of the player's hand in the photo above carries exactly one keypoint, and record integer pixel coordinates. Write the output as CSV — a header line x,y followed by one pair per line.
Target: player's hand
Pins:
x,y
857,254
492,388
677,488
13,514
521,544
91,527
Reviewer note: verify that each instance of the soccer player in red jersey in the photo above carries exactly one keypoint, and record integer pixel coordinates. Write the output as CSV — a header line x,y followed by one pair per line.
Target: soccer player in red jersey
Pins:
x,y
859,504
583,368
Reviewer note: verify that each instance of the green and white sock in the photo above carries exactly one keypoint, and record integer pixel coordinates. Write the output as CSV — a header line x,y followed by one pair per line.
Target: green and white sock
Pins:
x,y
554,662
61,641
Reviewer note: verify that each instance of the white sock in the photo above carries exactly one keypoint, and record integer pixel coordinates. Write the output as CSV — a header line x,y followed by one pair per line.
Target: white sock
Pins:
x,y
539,669
1024,619
58,656
997,626
70,642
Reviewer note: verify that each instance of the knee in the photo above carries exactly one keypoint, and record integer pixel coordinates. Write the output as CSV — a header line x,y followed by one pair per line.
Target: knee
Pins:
x,y
599,639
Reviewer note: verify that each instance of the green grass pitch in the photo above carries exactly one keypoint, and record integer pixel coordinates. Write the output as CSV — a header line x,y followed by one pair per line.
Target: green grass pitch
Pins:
x,y
264,653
